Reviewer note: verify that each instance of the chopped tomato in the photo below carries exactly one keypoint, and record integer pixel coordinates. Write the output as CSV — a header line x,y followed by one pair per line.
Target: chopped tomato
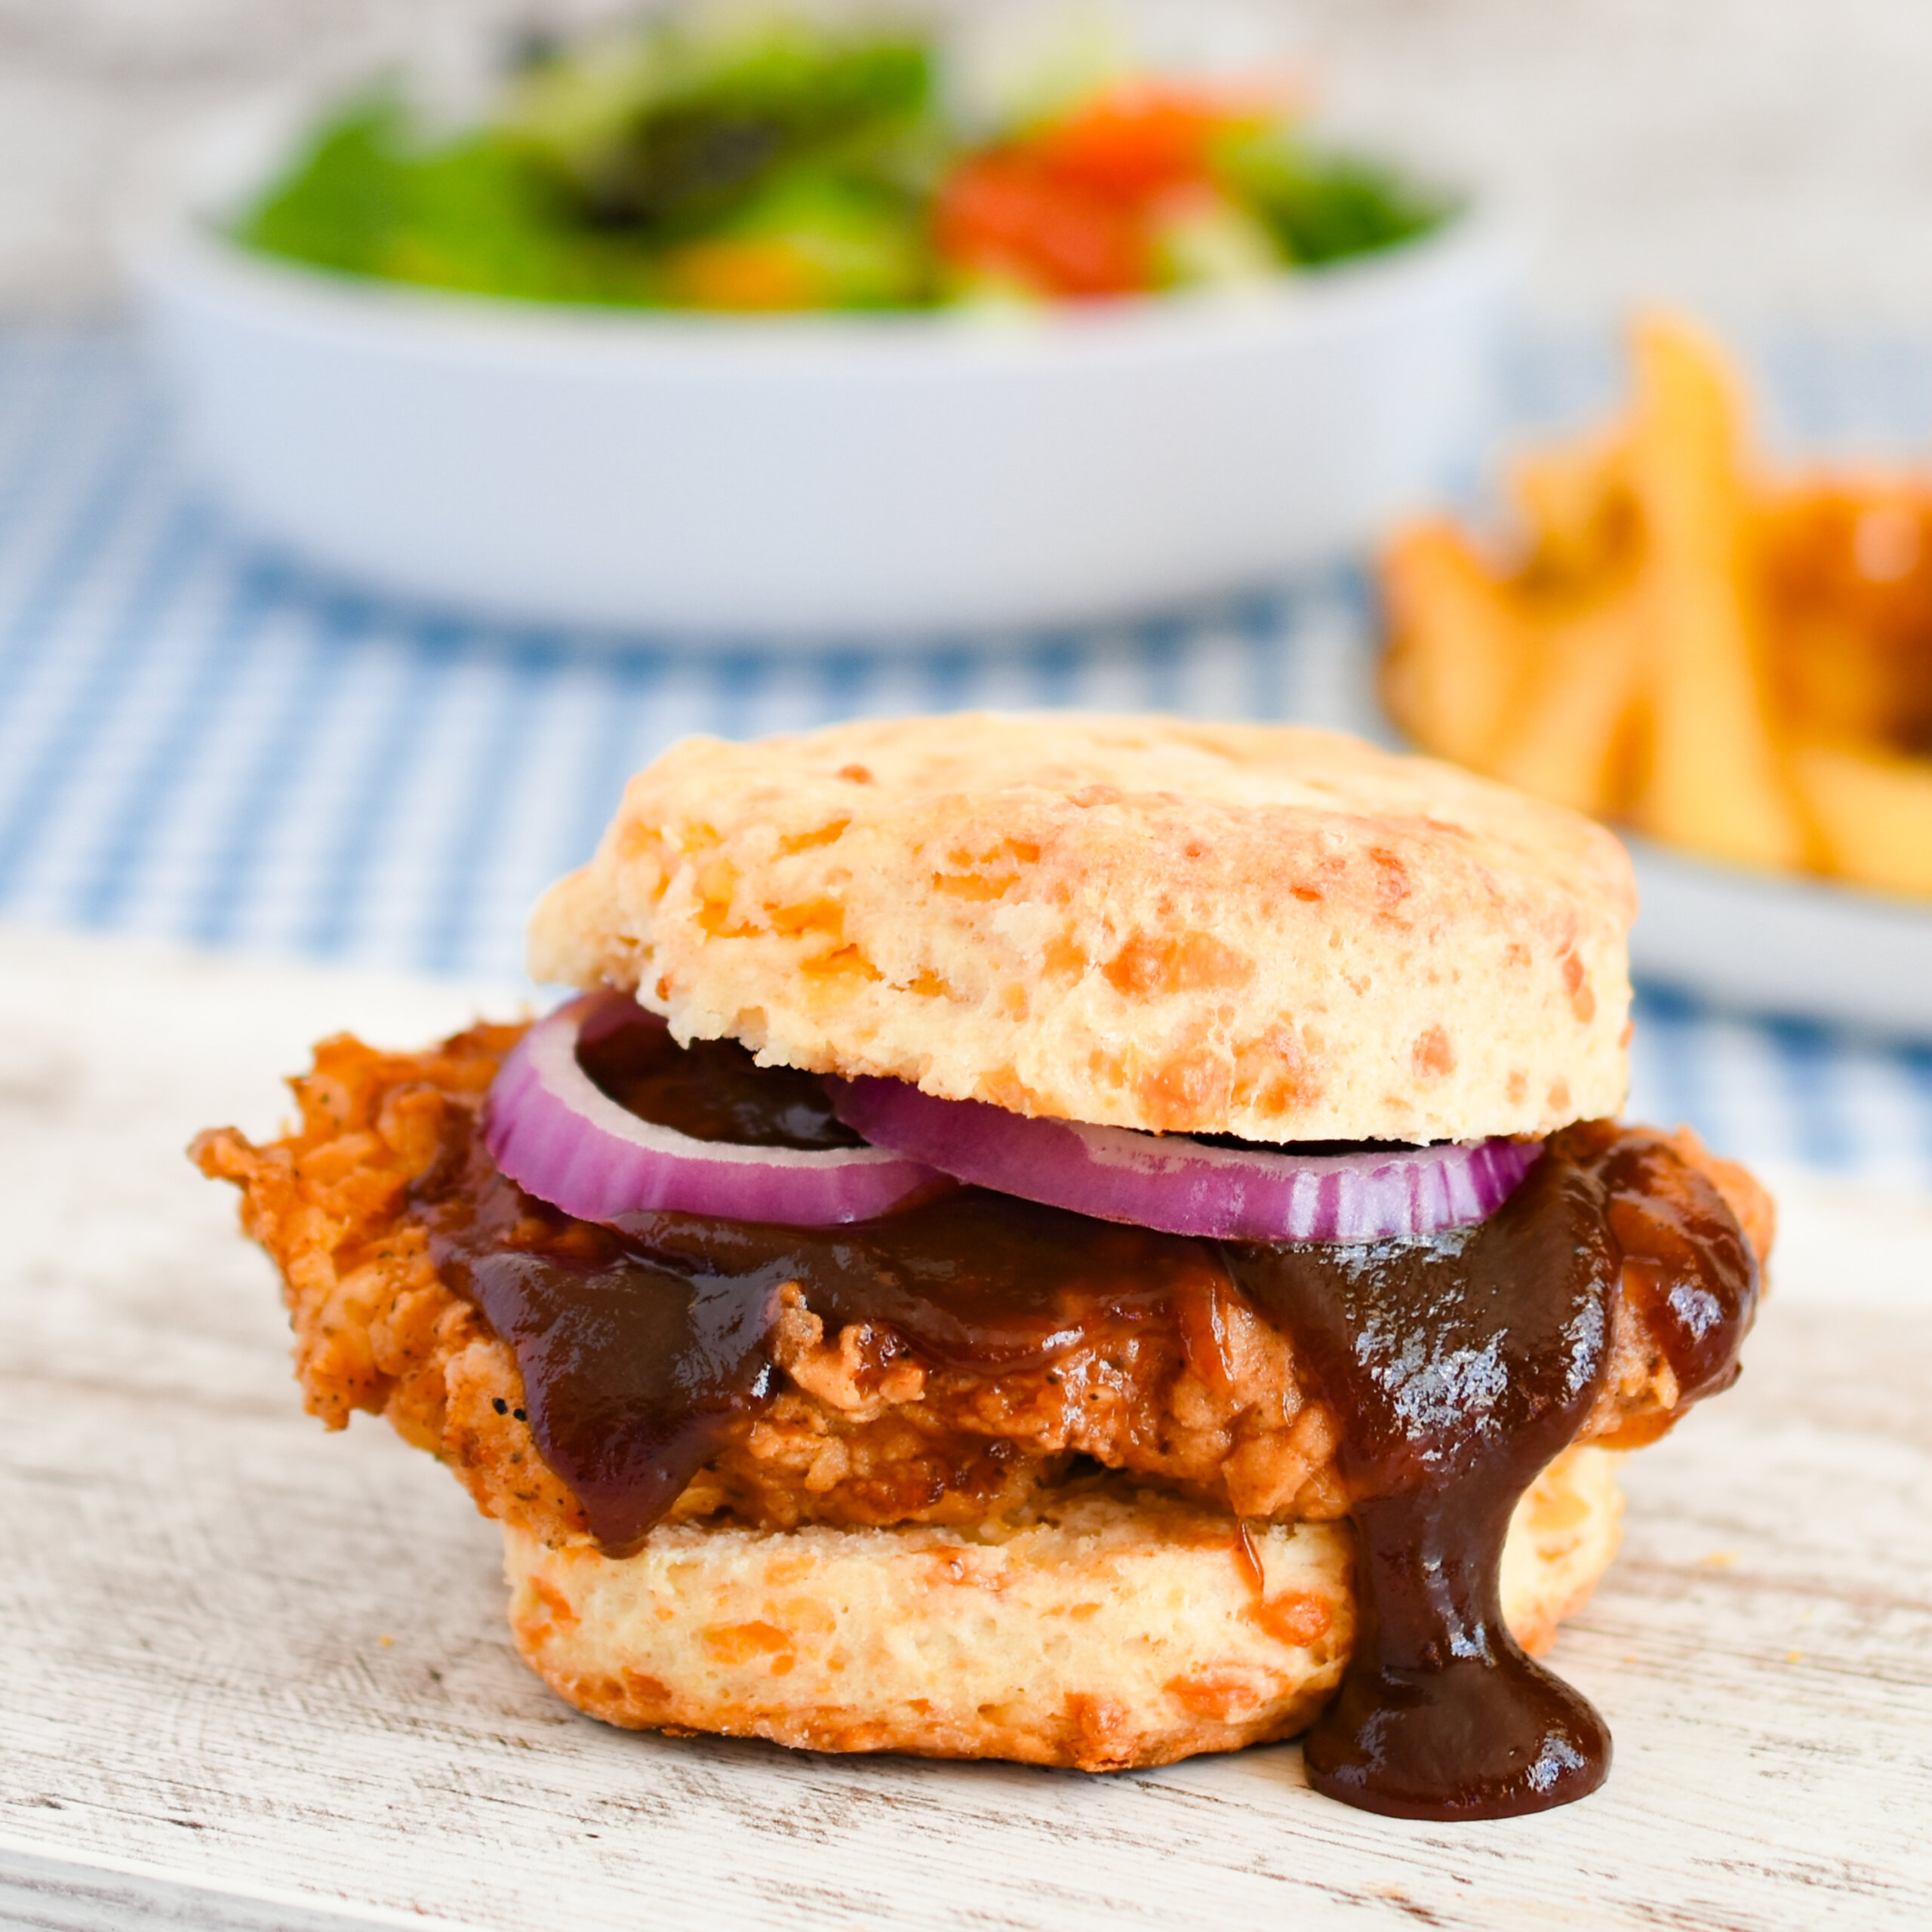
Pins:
x,y
1001,213
1074,209
1143,137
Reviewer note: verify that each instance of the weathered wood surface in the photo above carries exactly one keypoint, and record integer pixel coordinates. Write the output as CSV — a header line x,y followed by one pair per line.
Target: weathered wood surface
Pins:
x,y
238,1654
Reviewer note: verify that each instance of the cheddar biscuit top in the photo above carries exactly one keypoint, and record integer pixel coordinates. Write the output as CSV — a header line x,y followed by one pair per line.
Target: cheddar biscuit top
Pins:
x,y
1270,931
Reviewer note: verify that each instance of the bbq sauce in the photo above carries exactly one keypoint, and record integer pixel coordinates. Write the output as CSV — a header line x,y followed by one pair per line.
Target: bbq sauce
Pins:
x,y
713,1089
639,1350
1457,1366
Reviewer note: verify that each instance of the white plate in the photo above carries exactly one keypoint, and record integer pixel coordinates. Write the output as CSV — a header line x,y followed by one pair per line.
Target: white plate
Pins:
x,y
1804,948
817,476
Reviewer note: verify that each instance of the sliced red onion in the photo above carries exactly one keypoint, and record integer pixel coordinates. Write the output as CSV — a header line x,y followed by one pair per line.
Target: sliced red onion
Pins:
x,y
559,1136
1183,1186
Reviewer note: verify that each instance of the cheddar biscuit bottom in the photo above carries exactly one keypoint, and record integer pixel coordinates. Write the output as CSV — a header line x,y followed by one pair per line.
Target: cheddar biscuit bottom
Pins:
x,y
1118,1628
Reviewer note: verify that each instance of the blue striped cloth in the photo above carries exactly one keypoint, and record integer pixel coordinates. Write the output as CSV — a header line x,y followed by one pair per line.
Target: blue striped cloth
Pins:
x,y
198,743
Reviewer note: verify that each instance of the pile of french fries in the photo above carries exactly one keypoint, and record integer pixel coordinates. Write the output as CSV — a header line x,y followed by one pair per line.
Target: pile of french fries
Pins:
x,y
1724,660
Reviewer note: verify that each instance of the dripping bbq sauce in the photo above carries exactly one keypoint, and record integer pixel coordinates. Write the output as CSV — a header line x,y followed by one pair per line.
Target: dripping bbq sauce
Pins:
x,y
1457,1366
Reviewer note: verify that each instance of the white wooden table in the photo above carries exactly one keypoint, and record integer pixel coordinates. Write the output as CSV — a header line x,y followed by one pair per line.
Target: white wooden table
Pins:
x,y
253,1677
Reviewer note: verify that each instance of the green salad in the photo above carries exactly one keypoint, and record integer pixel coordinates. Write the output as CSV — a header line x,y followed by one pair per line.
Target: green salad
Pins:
x,y
797,166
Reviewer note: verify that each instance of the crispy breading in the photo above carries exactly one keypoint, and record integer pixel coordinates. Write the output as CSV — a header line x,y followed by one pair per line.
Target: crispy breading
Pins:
x,y
1207,1404
376,1328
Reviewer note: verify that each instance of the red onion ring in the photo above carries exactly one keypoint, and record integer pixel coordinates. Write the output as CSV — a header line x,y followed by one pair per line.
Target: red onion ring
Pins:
x,y
559,1136
1183,1186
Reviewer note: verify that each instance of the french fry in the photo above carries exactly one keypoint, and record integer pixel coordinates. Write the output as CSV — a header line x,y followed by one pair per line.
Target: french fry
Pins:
x,y
1873,812
1832,676
1742,670
1712,777
1848,564
1571,736
1575,498
1459,645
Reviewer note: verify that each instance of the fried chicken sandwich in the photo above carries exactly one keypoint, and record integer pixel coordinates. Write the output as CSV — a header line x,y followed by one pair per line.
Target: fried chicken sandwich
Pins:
x,y
1074,1239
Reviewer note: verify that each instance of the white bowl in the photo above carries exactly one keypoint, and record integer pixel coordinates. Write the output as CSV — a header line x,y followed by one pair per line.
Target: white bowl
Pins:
x,y
816,476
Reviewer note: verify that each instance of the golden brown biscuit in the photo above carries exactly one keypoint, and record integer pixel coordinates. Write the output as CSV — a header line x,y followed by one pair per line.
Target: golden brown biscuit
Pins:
x,y
1119,1628
1273,932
